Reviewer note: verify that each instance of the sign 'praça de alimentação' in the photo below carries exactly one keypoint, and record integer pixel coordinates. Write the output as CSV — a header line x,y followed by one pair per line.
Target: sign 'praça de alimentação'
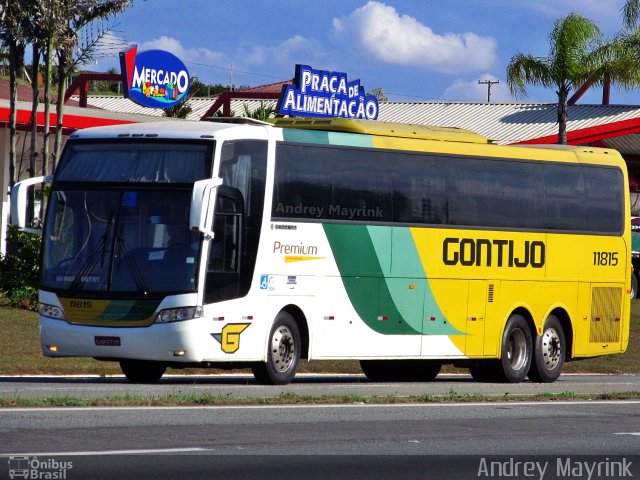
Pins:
x,y
320,93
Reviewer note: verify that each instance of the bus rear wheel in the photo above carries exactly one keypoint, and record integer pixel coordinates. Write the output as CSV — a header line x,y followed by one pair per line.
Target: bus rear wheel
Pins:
x,y
400,370
517,350
142,371
549,352
283,355
515,355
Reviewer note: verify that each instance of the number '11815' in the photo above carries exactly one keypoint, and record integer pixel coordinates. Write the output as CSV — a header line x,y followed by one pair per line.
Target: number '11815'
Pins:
x,y
605,259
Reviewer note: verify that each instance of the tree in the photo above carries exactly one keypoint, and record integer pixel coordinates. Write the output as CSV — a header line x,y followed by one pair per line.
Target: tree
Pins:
x,y
575,54
631,13
180,110
261,113
12,21
71,16
52,27
378,92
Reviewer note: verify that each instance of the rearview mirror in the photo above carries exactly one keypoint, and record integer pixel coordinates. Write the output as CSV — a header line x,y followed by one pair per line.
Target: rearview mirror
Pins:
x,y
202,200
20,201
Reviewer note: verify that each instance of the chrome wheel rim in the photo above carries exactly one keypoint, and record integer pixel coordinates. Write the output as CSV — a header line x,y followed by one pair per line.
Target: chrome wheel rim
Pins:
x,y
517,349
283,349
551,348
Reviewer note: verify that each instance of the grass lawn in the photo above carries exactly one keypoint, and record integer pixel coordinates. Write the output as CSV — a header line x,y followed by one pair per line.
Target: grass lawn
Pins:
x,y
20,353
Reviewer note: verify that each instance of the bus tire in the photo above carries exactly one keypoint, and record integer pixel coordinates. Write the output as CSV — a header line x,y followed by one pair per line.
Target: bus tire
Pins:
x,y
549,352
283,355
376,370
424,370
485,371
516,351
400,370
142,371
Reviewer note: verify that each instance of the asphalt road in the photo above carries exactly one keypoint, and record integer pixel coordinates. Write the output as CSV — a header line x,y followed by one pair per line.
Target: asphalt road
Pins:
x,y
304,385
341,441
336,441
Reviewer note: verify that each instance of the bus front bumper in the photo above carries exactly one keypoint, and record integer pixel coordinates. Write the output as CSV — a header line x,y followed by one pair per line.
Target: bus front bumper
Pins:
x,y
189,341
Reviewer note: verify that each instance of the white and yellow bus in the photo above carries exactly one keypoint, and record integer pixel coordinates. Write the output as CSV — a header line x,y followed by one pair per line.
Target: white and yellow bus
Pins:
x,y
245,244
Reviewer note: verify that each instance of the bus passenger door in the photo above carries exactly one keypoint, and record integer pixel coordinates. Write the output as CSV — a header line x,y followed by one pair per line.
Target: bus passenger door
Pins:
x,y
223,268
238,219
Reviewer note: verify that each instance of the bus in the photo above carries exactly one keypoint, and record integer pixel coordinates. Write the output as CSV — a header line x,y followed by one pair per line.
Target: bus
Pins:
x,y
244,244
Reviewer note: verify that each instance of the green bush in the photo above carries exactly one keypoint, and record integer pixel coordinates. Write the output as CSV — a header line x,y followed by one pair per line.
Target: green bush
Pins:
x,y
20,269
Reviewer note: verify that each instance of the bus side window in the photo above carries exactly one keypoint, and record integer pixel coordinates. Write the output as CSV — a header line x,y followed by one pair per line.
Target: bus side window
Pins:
x,y
225,247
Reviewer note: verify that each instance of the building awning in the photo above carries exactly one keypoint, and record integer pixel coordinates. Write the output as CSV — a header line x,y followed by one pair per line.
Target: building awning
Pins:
x,y
73,117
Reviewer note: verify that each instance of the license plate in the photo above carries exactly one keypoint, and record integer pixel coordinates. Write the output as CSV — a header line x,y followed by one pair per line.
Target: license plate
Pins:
x,y
108,341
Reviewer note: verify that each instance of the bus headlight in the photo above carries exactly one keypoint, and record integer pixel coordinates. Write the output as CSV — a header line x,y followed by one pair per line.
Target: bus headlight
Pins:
x,y
51,311
178,314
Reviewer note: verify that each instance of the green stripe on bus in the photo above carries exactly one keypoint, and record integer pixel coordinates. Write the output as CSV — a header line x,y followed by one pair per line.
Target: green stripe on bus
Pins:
x,y
129,310
327,138
363,257
406,260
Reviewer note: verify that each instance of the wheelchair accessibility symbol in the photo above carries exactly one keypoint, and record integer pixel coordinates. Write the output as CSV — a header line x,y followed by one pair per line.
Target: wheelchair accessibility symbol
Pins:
x,y
264,282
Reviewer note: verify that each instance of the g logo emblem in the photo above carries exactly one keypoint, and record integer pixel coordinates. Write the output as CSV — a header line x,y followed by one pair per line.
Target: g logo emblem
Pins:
x,y
229,338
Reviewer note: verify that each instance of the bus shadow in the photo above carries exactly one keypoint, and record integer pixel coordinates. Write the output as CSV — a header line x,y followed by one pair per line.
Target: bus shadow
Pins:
x,y
219,379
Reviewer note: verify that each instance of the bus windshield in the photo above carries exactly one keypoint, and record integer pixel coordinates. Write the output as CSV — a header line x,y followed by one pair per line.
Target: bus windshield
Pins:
x,y
120,241
117,233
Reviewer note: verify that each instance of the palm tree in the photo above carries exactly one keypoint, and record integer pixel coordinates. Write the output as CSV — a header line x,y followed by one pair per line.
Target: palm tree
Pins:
x,y
570,64
263,112
13,19
631,13
72,16
619,57
180,110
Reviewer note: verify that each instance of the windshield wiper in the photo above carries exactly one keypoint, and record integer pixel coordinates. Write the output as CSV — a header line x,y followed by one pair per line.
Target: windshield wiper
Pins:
x,y
87,267
99,251
133,266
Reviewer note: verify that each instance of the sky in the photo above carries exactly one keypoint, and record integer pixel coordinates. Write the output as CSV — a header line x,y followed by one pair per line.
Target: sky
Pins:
x,y
414,50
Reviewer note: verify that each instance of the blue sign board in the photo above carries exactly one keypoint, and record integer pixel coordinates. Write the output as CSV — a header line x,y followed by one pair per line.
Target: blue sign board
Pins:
x,y
154,78
319,93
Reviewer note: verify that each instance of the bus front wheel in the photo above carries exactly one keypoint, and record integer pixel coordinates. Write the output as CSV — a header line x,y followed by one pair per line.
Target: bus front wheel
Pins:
x,y
549,352
142,371
283,355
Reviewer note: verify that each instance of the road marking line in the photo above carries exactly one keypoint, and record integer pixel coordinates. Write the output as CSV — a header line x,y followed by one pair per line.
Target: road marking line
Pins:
x,y
636,434
106,452
463,405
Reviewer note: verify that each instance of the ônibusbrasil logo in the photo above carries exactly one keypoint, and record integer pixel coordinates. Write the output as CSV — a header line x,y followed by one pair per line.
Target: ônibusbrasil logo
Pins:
x,y
154,78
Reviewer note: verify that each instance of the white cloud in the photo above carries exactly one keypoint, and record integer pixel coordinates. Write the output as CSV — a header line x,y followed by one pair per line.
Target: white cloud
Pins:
x,y
212,66
187,55
472,91
403,40
296,49
607,14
